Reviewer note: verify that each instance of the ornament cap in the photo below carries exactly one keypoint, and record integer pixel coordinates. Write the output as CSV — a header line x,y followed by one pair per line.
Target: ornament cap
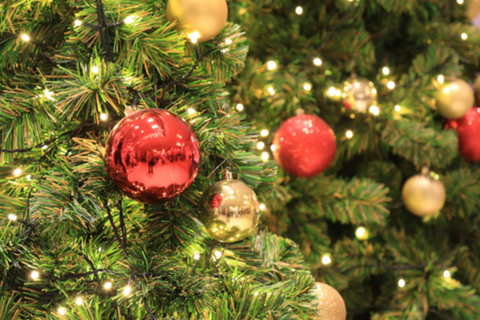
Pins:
x,y
425,171
228,174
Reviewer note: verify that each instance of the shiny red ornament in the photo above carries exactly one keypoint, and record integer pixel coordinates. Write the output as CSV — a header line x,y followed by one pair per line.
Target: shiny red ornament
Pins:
x,y
468,128
304,145
152,155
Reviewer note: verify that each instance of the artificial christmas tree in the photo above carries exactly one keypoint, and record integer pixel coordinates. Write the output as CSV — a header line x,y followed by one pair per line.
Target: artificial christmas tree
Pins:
x,y
350,221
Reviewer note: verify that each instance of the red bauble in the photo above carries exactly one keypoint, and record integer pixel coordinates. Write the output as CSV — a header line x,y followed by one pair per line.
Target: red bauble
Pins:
x,y
152,155
304,145
468,128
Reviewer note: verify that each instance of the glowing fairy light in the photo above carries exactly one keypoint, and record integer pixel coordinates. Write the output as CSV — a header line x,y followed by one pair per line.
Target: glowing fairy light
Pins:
x,y
77,23
262,206
12,217
398,108
299,10
386,71
264,156
374,110
103,117
127,290
196,256
401,283
79,301
441,78
326,260
194,36
260,145
264,133
17,172
129,19
271,65
240,107
317,62
391,85
108,285
349,134
25,37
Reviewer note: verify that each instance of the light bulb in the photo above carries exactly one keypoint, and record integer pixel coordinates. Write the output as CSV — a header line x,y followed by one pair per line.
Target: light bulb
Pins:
x,y
29,178
12,217
398,108
271,91
79,301
441,78
228,41
361,233
391,85
77,23
127,290
264,133
95,69
264,156
260,145
129,19
338,92
460,1
464,36
446,274
271,65
196,256
331,91
194,36
385,70
317,62
299,10
240,107
262,206
349,134
374,110
255,294
107,285
326,260
307,86
217,254
401,283
273,147
34,275
191,111
25,37
17,172
103,117
62,311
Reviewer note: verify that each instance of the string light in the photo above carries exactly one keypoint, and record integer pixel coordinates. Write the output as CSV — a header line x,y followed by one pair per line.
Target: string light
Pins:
x,y
361,233
401,283
338,92
62,311
349,134
194,36
317,62
77,23
127,290
95,69
271,65
45,147
299,10
271,91
374,110
12,217
460,1
273,147
307,86
260,145
331,91
103,117
240,107
262,206
79,301
441,78
228,41
34,275
217,254
191,111
398,108
386,71
264,133
464,36
129,19
17,172
196,256
25,37
446,274
326,260
255,294
264,156
391,85
107,285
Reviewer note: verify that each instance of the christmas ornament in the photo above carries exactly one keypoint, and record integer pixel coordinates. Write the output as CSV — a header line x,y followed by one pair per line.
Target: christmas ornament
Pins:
x,y
473,11
424,195
152,155
468,128
454,99
331,304
304,145
229,210
358,94
201,19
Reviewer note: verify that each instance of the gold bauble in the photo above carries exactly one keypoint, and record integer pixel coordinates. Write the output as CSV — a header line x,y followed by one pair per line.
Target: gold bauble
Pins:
x,y
454,99
331,304
207,17
473,9
423,195
229,210
358,94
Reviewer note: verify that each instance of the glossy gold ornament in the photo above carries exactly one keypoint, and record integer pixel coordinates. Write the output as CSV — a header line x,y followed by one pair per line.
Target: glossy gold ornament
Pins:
x,y
424,195
358,94
473,9
201,19
454,99
229,210
331,305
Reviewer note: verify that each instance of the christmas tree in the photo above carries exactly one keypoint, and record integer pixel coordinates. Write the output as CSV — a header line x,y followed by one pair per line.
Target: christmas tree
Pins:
x,y
114,121
385,76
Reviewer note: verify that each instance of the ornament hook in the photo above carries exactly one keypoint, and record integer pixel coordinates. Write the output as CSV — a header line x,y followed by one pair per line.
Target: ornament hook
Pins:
x,y
228,174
